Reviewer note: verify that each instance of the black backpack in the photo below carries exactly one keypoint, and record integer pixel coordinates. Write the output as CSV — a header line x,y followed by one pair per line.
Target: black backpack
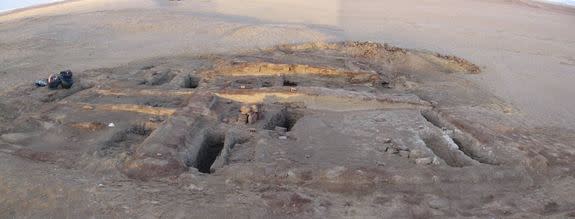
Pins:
x,y
66,78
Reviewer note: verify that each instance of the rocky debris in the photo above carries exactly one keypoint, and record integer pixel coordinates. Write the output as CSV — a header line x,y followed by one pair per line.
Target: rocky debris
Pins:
x,y
243,119
424,161
391,147
281,130
158,77
464,64
249,114
252,117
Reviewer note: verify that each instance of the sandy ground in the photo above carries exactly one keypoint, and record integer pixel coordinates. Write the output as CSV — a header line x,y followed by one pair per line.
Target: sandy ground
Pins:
x,y
320,130
317,130
526,49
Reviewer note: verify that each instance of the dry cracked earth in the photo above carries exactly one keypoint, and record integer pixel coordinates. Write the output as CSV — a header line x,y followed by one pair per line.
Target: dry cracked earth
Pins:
x,y
324,130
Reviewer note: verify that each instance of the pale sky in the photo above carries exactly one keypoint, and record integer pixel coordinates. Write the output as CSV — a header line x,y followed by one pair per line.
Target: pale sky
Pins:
x,y
15,4
568,2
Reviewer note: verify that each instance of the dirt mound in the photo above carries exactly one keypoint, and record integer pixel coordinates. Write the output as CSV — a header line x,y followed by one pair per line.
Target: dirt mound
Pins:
x,y
350,129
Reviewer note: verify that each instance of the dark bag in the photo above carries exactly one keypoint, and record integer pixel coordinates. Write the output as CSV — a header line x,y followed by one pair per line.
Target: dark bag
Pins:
x,y
66,78
54,81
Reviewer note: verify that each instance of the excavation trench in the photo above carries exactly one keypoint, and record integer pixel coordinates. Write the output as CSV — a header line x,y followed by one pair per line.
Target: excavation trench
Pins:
x,y
466,143
210,149
288,83
134,108
447,150
322,99
123,140
271,69
191,82
286,118
141,92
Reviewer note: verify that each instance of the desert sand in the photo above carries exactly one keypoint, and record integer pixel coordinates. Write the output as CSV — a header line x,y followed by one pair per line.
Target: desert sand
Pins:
x,y
526,49
459,108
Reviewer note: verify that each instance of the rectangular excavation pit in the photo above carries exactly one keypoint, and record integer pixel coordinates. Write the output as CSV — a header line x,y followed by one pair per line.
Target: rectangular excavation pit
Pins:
x,y
156,111
249,82
153,101
259,69
210,149
245,83
325,99
289,83
267,83
124,139
231,140
470,146
286,118
446,150
142,92
191,82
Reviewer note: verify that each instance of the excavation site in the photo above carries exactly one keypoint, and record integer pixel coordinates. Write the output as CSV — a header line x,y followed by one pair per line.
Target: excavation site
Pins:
x,y
316,130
